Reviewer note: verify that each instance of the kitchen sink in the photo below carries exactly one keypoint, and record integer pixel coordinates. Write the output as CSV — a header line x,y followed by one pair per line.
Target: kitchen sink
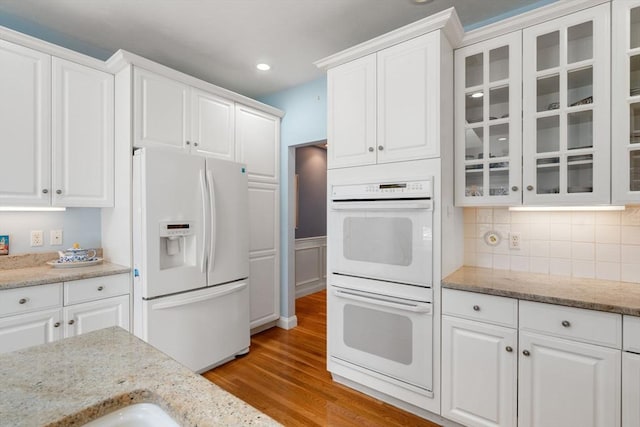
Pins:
x,y
138,415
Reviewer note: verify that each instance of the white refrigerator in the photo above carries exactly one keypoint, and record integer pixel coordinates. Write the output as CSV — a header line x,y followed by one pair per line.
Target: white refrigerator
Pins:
x,y
191,256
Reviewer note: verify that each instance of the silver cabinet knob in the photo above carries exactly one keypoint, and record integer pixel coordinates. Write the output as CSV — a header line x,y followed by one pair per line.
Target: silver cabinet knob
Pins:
x,y
380,147
566,323
371,149
195,144
58,191
23,300
526,352
188,142
45,191
71,322
476,308
100,288
57,324
514,188
509,349
530,187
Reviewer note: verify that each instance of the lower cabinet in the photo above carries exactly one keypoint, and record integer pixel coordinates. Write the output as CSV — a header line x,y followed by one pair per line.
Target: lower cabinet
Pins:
x,y
39,314
630,389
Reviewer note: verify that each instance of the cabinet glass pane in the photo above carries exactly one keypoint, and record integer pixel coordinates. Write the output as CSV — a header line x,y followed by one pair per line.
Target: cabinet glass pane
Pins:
x,y
473,107
473,184
634,170
580,42
580,130
499,140
634,75
499,64
473,70
580,87
473,143
580,174
634,123
499,179
548,134
635,28
548,175
548,50
499,103
548,93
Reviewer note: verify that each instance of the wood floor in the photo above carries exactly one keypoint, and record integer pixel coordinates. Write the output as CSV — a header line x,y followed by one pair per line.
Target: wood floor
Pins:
x,y
284,375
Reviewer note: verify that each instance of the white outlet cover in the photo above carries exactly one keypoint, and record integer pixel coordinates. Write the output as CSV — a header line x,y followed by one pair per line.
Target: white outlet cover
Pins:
x,y
55,237
37,238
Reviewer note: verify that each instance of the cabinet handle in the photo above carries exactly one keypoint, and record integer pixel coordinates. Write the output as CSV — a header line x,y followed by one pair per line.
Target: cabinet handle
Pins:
x,y
380,147
45,191
530,187
58,191
188,142
71,322
55,325
195,144
566,323
100,288
509,349
476,308
526,352
371,149
514,188
23,300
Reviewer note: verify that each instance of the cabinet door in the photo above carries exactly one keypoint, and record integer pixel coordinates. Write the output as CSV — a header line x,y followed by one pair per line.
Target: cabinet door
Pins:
x,y
566,383
351,126
408,95
26,330
264,238
625,102
82,140
258,143
91,316
566,106
160,111
630,389
25,126
488,122
479,373
212,125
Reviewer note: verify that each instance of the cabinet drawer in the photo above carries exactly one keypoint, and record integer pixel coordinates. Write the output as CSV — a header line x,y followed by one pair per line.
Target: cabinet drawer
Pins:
x,y
95,288
595,327
631,333
486,308
30,298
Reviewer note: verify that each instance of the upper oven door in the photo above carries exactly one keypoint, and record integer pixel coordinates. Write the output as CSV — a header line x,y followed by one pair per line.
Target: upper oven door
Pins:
x,y
386,240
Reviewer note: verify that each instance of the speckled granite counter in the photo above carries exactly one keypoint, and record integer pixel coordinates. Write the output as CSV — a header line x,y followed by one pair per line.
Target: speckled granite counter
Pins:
x,y
41,275
603,295
73,381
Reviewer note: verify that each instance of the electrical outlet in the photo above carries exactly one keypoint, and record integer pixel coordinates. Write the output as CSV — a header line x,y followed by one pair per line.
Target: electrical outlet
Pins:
x,y
55,238
37,238
514,240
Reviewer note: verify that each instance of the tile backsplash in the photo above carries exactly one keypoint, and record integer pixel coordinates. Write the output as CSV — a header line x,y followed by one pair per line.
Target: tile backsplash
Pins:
x,y
602,245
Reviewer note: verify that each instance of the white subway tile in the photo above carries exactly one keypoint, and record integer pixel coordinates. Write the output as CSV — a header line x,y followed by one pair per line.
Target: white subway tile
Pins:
x,y
608,270
539,248
607,252
522,228
482,247
631,216
608,218
539,231
630,273
630,254
469,215
503,229
484,260
501,216
582,251
630,234
559,249
560,217
583,269
583,233
469,230
519,263
482,229
470,258
560,266
501,262
583,217
484,216
519,217
502,247
539,265
539,217
607,233
560,232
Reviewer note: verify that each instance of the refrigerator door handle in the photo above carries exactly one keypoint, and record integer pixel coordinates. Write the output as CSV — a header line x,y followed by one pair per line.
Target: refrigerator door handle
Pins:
x,y
213,220
192,300
205,235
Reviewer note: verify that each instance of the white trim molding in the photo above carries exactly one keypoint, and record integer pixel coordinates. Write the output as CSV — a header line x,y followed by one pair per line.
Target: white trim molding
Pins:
x,y
287,322
310,265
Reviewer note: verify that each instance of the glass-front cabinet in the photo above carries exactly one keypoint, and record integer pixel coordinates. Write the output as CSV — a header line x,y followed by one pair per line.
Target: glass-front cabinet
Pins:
x,y
625,92
488,122
566,107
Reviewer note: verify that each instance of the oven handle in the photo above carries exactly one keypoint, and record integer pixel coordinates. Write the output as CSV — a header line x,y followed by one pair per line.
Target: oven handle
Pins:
x,y
382,206
415,307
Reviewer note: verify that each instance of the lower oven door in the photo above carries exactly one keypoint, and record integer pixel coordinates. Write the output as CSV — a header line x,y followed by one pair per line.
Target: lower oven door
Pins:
x,y
387,335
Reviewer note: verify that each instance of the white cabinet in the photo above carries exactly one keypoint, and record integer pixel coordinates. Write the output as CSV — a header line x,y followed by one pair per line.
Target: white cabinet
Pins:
x,y
566,109
26,330
631,372
258,143
212,125
479,359
625,102
91,316
488,122
385,107
25,125
82,138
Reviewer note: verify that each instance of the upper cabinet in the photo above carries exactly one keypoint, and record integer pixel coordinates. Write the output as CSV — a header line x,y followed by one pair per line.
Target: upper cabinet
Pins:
x,y
625,93
566,109
56,123
212,124
488,122
385,106
258,143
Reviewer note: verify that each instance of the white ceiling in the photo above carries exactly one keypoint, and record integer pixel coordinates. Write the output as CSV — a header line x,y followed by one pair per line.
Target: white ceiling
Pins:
x,y
221,40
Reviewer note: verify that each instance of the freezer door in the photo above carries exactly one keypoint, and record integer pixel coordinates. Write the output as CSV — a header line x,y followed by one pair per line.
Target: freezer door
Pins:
x,y
202,328
229,225
169,187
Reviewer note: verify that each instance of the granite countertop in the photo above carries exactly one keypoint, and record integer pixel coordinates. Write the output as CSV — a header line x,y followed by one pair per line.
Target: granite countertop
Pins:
x,y
75,380
603,295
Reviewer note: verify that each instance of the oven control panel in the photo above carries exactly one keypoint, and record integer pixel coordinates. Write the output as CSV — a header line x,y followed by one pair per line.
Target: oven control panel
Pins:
x,y
384,190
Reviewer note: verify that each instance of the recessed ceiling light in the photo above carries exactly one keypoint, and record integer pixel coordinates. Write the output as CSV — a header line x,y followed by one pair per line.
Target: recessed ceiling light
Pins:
x,y
263,67
477,95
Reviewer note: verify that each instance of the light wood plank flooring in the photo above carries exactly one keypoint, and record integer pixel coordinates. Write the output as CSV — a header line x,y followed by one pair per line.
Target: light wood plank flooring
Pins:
x,y
284,375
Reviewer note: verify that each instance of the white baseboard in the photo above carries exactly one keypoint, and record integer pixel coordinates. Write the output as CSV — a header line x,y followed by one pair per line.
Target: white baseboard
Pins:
x,y
287,322
310,288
